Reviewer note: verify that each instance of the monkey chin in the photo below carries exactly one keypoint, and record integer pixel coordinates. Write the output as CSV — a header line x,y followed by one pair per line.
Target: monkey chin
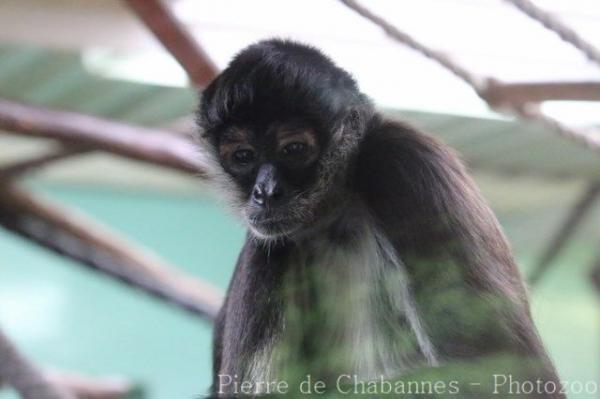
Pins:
x,y
270,232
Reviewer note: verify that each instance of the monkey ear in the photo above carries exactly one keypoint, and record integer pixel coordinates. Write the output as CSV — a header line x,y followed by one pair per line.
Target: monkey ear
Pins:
x,y
353,120
207,152
352,124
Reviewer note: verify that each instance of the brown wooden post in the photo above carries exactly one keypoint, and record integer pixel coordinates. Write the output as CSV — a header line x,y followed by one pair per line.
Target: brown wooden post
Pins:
x,y
157,16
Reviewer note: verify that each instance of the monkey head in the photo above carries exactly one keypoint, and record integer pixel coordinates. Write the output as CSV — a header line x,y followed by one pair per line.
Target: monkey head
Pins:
x,y
281,124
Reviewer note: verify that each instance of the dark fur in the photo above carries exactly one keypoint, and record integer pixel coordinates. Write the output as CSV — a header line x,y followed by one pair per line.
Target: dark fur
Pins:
x,y
414,187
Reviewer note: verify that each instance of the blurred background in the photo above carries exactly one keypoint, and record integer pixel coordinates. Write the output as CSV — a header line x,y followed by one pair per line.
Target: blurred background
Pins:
x,y
109,59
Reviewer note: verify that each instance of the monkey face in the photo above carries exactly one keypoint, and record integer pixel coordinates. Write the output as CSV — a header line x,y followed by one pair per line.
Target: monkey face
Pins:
x,y
275,169
281,122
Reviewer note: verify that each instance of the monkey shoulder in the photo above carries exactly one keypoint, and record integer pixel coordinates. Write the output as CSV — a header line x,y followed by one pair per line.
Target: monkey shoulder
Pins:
x,y
420,193
394,153
406,175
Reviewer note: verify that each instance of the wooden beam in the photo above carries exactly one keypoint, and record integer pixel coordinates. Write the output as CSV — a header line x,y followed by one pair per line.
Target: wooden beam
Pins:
x,y
75,236
478,83
159,147
85,387
20,168
595,274
515,94
581,208
24,376
174,37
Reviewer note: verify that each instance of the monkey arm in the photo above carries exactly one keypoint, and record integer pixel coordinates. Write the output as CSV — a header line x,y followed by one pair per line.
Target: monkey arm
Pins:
x,y
225,349
224,353
467,288
249,315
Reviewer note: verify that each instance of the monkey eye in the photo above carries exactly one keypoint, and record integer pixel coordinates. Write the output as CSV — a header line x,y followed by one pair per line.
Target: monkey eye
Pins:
x,y
243,157
294,149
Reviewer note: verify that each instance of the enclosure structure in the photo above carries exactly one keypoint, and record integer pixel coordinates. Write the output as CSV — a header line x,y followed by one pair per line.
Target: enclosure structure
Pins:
x,y
74,134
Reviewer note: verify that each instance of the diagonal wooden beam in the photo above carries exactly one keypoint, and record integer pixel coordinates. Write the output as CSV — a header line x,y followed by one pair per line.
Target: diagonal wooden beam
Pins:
x,y
156,146
595,274
20,168
479,84
580,209
75,236
24,376
158,17
93,387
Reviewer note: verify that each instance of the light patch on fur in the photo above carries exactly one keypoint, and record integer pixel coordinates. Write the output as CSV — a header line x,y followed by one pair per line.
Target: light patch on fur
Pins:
x,y
404,299
260,367
219,180
356,285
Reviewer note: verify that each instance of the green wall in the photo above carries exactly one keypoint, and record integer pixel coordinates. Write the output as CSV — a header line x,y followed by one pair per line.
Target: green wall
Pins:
x,y
68,317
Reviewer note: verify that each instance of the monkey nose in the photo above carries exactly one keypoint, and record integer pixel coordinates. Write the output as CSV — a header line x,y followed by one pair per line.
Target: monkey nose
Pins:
x,y
266,195
258,196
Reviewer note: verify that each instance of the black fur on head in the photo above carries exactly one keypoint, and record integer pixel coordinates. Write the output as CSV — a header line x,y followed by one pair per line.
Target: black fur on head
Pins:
x,y
279,79
275,82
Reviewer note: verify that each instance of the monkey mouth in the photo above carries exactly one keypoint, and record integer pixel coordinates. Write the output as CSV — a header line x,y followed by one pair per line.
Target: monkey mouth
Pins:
x,y
269,227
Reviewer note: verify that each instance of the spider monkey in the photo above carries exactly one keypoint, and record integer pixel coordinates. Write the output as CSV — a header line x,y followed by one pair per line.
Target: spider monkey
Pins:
x,y
370,252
